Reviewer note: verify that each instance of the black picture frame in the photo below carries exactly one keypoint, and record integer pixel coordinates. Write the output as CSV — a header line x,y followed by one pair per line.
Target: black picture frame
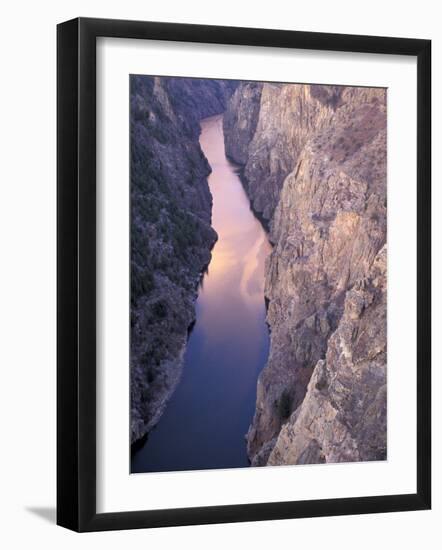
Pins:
x,y
76,274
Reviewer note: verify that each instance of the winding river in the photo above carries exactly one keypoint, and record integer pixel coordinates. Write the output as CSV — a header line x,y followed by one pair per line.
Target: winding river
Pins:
x,y
205,422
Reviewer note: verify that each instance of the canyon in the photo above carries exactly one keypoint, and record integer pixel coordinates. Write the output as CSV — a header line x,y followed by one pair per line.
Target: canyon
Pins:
x,y
312,162
204,422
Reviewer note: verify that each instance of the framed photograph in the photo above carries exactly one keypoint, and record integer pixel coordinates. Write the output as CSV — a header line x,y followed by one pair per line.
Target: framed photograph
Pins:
x,y
243,274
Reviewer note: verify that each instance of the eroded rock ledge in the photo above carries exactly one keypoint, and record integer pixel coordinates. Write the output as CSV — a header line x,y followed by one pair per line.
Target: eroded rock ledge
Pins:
x,y
314,164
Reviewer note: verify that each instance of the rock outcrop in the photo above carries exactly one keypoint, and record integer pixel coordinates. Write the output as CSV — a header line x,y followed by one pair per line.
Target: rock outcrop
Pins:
x,y
343,415
240,120
316,170
266,126
171,235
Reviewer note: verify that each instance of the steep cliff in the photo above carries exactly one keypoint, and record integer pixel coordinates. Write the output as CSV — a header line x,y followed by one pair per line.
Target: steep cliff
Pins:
x,y
266,126
343,415
240,120
171,235
316,169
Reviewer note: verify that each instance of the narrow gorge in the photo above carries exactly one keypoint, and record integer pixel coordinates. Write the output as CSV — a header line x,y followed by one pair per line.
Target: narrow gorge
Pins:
x,y
204,423
257,342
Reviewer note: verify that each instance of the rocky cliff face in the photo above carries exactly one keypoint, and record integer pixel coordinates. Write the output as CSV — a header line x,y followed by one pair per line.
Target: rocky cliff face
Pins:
x,y
240,120
171,235
343,415
316,169
266,126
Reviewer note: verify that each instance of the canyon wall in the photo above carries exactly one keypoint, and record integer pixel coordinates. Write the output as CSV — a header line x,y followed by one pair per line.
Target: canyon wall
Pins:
x,y
343,415
266,126
171,233
314,167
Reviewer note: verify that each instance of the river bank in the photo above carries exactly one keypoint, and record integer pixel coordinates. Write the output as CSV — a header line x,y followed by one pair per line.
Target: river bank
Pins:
x,y
205,422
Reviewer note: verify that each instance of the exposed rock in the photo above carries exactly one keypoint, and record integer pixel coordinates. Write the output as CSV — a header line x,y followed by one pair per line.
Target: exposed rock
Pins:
x,y
171,235
316,168
266,126
343,415
240,120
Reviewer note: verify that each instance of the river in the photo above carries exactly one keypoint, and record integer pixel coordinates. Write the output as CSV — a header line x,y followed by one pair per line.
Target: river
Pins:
x,y
205,422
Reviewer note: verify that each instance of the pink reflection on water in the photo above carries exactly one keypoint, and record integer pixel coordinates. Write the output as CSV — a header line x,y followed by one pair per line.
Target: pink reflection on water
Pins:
x,y
236,271
204,423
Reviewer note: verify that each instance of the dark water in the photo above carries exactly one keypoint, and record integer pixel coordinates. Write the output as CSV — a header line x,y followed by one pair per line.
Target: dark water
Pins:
x,y
204,423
